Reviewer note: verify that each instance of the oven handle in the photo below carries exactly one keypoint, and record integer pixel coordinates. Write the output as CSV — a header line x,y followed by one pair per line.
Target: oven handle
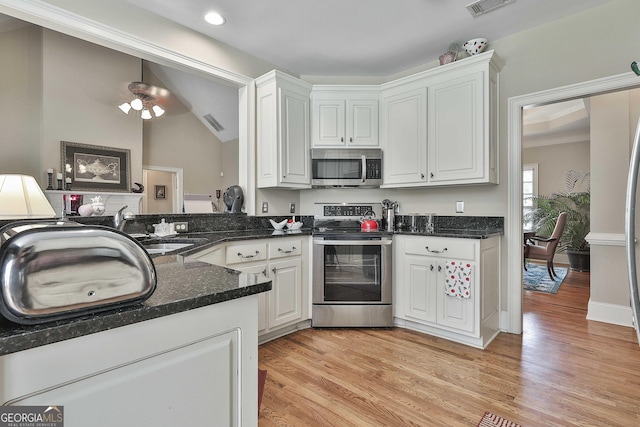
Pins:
x,y
353,242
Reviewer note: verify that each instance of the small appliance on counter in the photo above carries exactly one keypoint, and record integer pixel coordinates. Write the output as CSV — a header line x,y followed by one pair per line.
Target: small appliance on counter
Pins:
x,y
53,270
233,199
389,214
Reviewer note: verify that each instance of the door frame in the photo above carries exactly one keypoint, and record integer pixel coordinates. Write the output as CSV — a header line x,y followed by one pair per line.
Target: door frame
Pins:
x,y
177,179
511,320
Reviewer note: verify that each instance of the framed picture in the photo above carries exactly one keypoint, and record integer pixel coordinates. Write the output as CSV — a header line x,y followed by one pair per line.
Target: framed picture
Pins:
x,y
161,192
96,168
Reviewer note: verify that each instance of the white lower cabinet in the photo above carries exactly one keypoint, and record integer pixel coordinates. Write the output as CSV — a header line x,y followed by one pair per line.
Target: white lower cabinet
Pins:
x,y
193,368
423,300
285,261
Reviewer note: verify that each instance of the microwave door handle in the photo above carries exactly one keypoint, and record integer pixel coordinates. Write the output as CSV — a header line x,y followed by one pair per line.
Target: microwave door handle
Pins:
x,y
364,168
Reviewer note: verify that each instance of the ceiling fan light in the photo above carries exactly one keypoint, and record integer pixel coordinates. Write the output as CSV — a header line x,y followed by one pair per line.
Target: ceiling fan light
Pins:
x,y
214,18
157,110
136,104
146,114
125,107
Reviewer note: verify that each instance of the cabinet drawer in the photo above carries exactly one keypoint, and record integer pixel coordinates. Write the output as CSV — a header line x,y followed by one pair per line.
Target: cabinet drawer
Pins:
x,y
280,248
441,247
246,253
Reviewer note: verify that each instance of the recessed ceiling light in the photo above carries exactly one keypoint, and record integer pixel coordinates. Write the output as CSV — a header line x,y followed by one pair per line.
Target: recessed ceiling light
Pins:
x,y
214,18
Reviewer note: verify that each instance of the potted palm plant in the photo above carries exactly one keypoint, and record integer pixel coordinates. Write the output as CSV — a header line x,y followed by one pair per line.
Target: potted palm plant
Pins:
x,y
576,202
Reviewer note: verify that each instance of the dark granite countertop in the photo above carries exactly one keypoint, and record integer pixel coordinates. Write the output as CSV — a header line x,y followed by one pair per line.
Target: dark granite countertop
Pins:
x,y
183,284
457,233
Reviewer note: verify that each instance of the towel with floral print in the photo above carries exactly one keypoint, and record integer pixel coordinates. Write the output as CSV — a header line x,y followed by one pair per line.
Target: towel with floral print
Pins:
x,y
458,279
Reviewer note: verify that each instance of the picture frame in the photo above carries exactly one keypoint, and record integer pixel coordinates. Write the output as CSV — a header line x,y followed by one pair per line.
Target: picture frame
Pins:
x,y
160,192
96,167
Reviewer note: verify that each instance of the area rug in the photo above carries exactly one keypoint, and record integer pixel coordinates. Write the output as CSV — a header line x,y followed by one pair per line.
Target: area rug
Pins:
x,y
536,278
492,420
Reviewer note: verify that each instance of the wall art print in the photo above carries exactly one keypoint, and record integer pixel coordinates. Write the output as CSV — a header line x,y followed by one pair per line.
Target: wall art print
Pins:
x,y
95,167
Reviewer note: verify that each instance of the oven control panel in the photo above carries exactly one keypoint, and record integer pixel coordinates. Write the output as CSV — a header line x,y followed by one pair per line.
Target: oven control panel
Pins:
x,y
347,210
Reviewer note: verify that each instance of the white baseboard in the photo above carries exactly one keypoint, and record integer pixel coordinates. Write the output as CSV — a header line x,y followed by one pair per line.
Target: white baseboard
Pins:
x,y
610,313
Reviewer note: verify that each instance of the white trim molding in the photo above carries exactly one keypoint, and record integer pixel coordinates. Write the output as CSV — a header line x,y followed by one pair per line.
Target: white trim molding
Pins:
x,y
610,313
605,239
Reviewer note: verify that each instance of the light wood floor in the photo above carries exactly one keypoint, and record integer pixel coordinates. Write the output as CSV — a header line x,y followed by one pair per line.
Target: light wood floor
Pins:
x,y
563,371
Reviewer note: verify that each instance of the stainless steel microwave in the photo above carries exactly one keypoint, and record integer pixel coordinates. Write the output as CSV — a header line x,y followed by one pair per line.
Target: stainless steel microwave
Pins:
x,y
348,167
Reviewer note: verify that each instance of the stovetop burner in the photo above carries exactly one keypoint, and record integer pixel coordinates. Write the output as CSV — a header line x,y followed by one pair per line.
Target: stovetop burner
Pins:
x,y
343,220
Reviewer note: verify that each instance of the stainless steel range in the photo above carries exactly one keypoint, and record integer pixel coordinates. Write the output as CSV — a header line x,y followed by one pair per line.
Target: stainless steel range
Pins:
x,y
351,268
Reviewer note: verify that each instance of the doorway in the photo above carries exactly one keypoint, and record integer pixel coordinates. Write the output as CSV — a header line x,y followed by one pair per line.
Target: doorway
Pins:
x,y
512,321
163,189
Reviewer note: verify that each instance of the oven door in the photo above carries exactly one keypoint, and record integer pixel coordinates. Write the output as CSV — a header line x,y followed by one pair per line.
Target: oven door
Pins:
x,y
352,271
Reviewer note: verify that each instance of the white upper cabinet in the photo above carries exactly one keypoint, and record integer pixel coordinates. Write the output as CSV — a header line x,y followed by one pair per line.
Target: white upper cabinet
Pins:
x,y
404,135
282,131
346,117
459,119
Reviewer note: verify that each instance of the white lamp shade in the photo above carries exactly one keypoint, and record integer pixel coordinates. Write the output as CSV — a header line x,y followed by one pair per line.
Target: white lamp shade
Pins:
x,y
125,107
136,104
157,110
21,198
146,114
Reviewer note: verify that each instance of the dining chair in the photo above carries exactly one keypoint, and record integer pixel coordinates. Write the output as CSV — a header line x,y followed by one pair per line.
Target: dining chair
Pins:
x,y
544,248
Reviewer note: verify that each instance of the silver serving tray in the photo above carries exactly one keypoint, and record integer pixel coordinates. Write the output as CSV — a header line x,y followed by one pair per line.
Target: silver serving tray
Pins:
x,y
57,270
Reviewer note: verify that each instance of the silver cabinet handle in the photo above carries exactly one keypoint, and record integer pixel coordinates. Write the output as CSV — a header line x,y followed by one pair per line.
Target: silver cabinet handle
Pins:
x,y
434,251
439,268
341,139
351,139
432,175
274,270
293,248
248,256
421,176
431,267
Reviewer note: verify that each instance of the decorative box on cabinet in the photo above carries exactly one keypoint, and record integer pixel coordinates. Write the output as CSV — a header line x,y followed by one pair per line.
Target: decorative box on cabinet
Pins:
x,y
421,293
282,131
344,117
459,120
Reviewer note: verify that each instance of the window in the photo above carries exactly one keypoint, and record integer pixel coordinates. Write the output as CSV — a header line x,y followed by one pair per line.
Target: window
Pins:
x,y
529,188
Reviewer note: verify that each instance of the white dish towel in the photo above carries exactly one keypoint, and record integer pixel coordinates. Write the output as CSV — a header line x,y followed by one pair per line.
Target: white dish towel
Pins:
x,y
458,281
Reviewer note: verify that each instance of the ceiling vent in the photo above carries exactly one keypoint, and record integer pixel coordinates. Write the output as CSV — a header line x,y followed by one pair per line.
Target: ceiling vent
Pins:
x,y
483,6
213,122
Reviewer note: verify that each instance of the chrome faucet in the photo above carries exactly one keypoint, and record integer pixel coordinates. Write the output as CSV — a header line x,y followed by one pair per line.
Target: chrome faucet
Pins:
x,y
118,220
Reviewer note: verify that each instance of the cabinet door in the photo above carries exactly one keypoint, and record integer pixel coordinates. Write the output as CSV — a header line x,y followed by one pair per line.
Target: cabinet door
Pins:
x,y
285,298
328,124
404,137
295,162
420,284
263,298
181,386
453,312
456,128
362,123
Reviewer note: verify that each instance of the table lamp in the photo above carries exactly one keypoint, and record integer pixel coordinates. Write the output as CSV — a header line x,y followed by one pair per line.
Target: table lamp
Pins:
x,y
21,198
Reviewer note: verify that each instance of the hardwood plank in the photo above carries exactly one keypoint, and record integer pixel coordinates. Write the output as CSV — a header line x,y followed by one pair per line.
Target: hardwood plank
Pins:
x,y
563,370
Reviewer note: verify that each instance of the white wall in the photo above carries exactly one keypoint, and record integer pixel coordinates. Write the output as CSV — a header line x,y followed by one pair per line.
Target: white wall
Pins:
x,y
21,102
554,160
82,85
